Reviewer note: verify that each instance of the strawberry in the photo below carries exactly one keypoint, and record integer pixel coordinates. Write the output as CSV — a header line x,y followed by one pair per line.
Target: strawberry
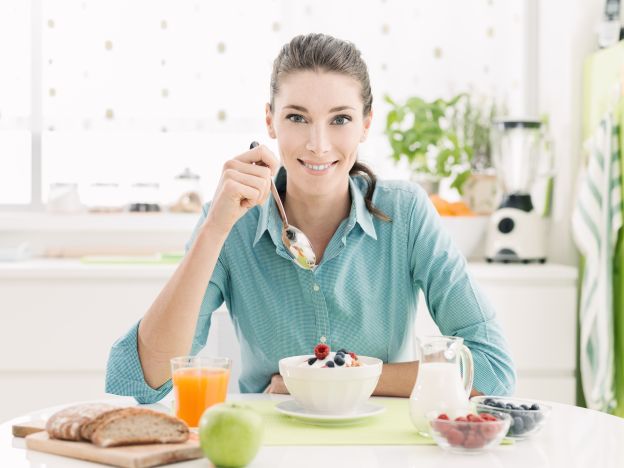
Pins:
x,y
455,437
460,426
474,441
321,351
488,417
474,418
489,430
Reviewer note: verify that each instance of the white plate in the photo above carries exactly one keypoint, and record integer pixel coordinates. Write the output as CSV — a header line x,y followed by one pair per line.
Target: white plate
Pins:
x,y
292,408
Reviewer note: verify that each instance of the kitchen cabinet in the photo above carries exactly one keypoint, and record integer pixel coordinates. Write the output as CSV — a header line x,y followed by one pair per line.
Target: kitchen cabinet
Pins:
x,y
60,317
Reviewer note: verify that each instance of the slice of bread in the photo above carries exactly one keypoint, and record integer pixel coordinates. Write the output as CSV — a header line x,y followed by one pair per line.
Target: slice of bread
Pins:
x,y
67,423
130,426
86,431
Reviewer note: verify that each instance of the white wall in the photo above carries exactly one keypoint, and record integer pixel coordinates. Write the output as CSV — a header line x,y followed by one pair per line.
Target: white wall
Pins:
x,y
566,36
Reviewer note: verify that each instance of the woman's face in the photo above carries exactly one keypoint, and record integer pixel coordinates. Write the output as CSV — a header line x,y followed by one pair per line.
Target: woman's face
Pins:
x,y
318,122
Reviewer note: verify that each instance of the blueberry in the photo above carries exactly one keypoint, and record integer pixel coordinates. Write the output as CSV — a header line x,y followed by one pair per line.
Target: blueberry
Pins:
x,y
518,425
342,350
340,354
509,406
311,361
515,407
330,364
525,407
488,401
535,407
339,360
529,423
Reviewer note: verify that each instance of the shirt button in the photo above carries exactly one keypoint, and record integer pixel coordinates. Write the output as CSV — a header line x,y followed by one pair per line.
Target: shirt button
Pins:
x,y
316,287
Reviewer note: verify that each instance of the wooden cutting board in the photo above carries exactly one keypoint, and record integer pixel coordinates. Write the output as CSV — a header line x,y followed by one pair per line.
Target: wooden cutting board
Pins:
x,y
30,427
134,456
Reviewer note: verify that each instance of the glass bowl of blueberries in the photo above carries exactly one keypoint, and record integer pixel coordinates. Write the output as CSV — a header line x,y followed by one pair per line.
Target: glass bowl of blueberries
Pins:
x,y
527,417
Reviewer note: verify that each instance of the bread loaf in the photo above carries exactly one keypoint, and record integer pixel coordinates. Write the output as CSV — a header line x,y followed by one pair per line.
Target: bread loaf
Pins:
x,y
67,423
130,426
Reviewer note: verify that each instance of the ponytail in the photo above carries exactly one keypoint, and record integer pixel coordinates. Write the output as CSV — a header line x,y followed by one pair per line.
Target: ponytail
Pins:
x,y
361,169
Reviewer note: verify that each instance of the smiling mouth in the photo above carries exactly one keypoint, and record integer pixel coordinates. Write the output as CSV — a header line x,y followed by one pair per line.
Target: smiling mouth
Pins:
x,y
317,167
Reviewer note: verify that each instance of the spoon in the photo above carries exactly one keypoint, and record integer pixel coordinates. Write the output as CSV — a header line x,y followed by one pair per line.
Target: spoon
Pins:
x,y
296,242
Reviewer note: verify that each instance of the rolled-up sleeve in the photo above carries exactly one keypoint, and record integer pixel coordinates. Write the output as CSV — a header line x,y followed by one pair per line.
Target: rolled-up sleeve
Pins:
x,y
124,374
455,301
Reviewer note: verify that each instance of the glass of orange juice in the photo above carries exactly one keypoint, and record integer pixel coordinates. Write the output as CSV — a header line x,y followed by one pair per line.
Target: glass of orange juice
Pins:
x,y
198,383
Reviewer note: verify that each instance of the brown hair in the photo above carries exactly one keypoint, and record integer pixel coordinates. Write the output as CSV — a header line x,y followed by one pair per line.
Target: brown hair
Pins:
x,y
321,52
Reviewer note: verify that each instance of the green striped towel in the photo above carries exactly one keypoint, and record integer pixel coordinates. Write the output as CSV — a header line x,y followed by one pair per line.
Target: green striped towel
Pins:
x,y
596,220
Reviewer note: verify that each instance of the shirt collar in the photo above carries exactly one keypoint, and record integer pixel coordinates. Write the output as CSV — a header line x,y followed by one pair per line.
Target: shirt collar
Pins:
x,y
269,219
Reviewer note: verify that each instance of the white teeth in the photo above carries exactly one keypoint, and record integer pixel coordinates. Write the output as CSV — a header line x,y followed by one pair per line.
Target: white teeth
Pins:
x,y
317,168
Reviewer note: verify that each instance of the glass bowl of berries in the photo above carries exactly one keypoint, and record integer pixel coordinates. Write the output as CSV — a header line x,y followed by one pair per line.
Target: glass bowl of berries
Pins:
x,y
527,417
468,433
330,383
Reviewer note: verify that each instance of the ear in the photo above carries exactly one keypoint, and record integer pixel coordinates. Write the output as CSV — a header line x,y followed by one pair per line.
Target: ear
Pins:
x,y
367,123
269,121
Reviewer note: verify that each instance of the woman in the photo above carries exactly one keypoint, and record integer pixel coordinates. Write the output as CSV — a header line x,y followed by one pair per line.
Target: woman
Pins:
x,y
377,245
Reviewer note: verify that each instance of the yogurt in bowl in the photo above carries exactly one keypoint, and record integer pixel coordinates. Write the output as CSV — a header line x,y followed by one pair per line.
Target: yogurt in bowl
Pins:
x,y
320,387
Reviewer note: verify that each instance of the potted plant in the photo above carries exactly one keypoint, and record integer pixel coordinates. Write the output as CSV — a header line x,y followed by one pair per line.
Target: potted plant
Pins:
x,y
439,138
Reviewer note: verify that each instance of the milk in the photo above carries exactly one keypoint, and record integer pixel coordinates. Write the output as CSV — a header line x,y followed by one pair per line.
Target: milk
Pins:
x,y
438,387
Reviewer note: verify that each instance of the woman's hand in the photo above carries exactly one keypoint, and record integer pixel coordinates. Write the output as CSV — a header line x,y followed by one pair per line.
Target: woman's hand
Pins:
x,y
245,182
277,385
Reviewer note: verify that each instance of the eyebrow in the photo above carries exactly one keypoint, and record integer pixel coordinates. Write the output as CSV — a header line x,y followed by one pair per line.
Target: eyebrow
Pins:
x,y
333,109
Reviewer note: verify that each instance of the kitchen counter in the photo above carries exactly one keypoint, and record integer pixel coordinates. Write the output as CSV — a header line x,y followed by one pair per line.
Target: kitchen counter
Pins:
x,y
572,437
73,268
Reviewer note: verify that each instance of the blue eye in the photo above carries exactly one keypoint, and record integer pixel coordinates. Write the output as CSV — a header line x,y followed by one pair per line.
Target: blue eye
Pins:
x,y
342,120
297,118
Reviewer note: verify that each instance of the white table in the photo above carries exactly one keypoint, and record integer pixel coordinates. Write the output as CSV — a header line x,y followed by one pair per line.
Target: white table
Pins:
x,y
573,437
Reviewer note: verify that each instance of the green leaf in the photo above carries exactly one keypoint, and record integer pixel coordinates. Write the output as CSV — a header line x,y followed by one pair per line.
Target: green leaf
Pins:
x,y
459,181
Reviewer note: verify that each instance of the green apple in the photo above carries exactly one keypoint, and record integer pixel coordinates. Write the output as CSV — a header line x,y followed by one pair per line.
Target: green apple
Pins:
x,y
230,434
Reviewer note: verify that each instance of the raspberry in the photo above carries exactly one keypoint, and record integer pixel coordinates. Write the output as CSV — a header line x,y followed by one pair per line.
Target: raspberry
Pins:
x,y
443,416
455,437
488,417
353,356
321,351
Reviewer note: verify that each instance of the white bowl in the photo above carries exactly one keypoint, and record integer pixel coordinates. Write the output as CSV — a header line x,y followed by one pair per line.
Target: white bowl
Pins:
x,y
468,232
338,390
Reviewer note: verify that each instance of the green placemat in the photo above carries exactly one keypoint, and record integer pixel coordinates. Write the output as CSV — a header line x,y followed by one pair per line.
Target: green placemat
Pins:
x,y
392,427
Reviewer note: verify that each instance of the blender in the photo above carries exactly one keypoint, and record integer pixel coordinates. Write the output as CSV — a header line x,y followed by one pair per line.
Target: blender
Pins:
x,y
516,231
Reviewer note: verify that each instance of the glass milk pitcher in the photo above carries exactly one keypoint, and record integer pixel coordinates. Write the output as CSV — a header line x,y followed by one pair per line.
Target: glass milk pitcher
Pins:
x,y
440,385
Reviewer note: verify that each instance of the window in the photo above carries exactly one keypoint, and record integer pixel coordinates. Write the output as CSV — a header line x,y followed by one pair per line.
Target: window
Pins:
x,y
129,92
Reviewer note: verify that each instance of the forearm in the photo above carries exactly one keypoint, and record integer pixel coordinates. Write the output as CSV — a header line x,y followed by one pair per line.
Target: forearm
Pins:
x,y
168,327
397,380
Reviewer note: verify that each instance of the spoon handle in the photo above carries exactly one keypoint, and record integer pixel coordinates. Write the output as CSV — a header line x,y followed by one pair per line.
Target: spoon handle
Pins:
x,y
276,196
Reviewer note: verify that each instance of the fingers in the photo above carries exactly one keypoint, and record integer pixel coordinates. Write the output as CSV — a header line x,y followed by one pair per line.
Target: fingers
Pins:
x,y
254,189
256,176
277,385
260,155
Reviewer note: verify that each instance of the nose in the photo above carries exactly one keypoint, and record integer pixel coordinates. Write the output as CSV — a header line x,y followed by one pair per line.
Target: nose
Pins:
x,y
318,140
